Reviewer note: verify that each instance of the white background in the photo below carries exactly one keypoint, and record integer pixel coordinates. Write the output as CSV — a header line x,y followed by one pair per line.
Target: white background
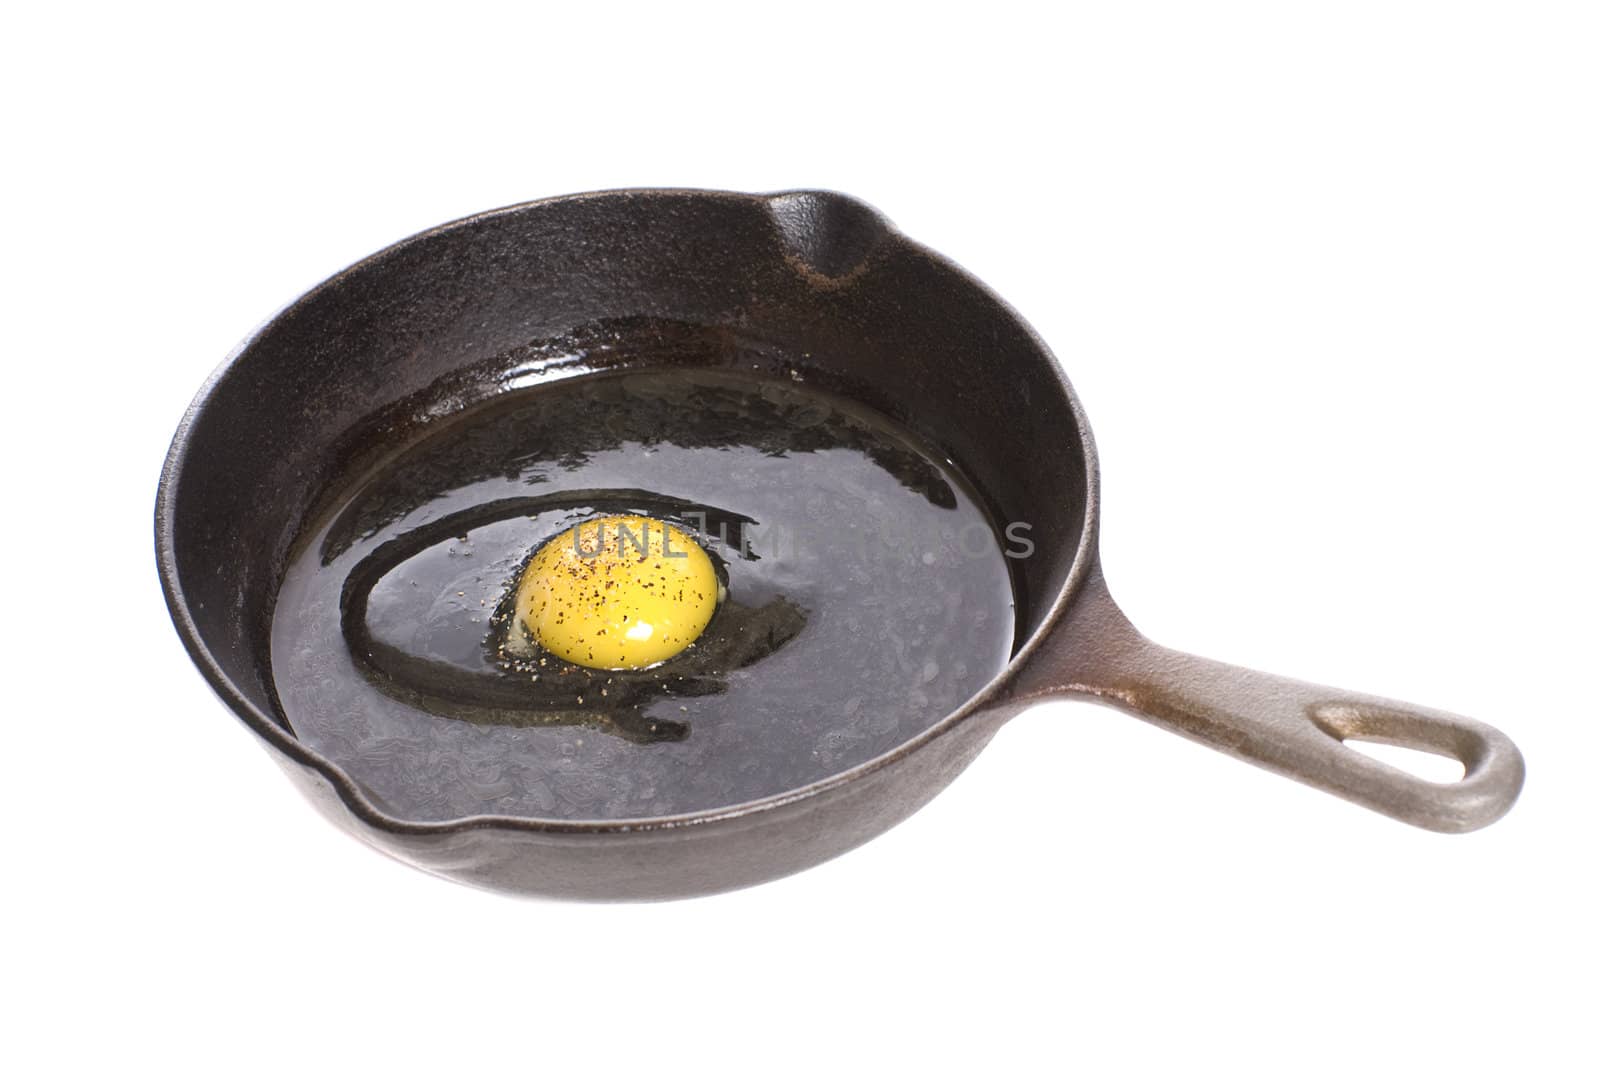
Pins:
x,y
1325,276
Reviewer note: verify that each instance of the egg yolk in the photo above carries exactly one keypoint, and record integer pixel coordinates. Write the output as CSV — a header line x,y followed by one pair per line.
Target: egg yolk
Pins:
x,y
618,593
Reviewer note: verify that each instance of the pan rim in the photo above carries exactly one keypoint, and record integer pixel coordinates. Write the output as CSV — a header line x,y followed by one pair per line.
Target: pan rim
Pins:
x,y
350,793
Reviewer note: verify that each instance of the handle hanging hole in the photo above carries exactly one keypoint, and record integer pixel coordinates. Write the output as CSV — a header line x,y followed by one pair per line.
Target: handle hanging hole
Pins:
x,y
1427,765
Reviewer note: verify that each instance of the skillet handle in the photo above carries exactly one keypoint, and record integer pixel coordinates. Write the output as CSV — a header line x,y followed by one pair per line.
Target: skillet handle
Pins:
x,y
1288,726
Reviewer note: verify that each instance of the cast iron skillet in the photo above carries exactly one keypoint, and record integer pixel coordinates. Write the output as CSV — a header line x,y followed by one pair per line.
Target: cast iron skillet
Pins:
x,y
862,309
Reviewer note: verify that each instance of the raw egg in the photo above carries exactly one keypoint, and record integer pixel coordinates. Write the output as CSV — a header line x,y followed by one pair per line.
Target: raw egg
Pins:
x,y
618,592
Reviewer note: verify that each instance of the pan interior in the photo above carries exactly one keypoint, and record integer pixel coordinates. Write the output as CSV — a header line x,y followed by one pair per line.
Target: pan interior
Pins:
x,y
868,595
375,360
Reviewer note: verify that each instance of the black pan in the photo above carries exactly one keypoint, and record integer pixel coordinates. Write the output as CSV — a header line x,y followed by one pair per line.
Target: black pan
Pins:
x,y
865,310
